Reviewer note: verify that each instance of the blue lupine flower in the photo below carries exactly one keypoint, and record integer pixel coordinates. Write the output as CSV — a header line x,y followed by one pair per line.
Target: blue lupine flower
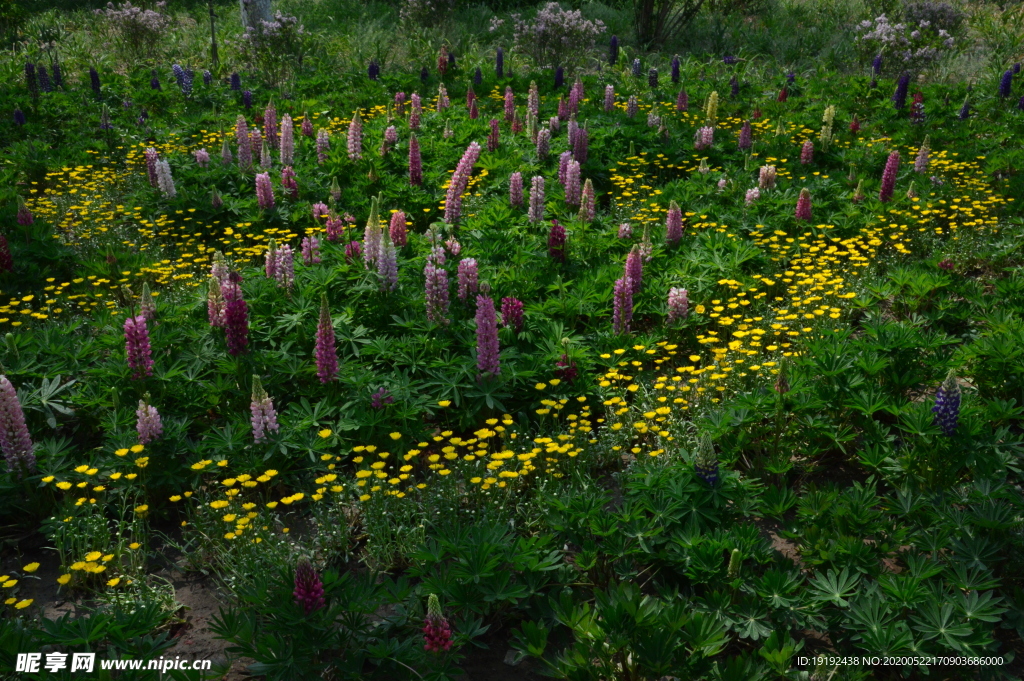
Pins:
x,y
947,405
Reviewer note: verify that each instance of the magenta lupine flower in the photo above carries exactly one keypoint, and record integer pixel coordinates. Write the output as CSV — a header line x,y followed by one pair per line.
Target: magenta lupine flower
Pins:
x,y
632,106
678,304
244,144
536,213
459,182
289,182
512,314
323,145
517,124
766,177
326,354
287,140
14,438
807,152
6,259
493,138
148,423
24,216
307,125
353,251
436,291
437,634
151,159
563,108
609,97
391,136
310,250
387,263
571,131
415,162
580,144
355,137
572,184
753,195
334,228
202,157
474,110
682,101
803,206
487,361
921,162
453,246
264,191
264,416
270,124
892,166
587,202
556,241
309,590
320,210
543,143
137,347
510,105
623,310
576,95
515,190
625,231
236,315
634,270
415,112
673,224
397,229
746,136
468,277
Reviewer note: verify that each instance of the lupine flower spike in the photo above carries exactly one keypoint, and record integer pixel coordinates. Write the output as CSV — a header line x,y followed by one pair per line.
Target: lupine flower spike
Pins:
x,y
148,423
326,353
137,347
309,590
706,462
264,416
437,634
14,438
947,405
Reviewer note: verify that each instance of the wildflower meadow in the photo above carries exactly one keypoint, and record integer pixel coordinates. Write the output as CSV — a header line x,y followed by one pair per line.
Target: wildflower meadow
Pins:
x,y
664,340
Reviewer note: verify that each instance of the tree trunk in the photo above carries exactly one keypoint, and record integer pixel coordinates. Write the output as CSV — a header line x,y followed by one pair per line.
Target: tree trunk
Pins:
x,y
255,11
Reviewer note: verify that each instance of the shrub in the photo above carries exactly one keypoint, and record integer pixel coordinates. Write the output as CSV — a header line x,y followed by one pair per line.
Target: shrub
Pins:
x,y
904,47
136,32
555,37
937,15
275,47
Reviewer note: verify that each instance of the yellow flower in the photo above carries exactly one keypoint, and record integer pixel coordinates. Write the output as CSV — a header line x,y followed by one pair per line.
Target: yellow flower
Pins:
x,y
326,432
396,436
64,485
64,579
134,545
541,386
444,403
21,605
93,555
121,452
9,583
31,567
114,582
137,448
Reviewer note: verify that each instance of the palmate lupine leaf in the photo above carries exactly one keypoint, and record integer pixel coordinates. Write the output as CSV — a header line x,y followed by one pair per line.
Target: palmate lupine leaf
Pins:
x,y
977,605
940,623
834,588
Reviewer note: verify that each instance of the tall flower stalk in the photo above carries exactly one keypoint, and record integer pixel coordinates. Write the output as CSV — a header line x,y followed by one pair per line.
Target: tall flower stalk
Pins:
x,y
264,416
137,347
892,166
148,423
487,361
326,354
622,314
14,438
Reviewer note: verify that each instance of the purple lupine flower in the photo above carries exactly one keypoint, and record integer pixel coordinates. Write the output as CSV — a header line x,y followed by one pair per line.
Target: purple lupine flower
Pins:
x,y
184,82
326,354
148,423
415,162
44,79
442,98
152,157
675,69
609,97
947,405
244,148
387,264
309,590
632,106
94,80
247,99
965,110
478,76
634,272
512,314
1020,103
14,438
323,145
424,75
264,416
682,101
154,83
510,106
746,136
396,230
353,251
487,361
515,190
921,161
652,77
580,145
147,306
613,51
236,315
307,125
236,82
536,213
207,78
287,140
637,70
19,117
556,242
625,231
563,166
436,289
673,224
899,97
493,138
766,177
289,182
1006,83
373,70
559,77
320,210
453,246
270,124
704,137
372,236
734,87
572,184
587,202
876,65
468,277
310,250
24,216
753,195
355,137
807,152
576,95
803,206
563,109
678,304
892,166
264,191
459,182
381,398
533,100
623,306
202,157
137,348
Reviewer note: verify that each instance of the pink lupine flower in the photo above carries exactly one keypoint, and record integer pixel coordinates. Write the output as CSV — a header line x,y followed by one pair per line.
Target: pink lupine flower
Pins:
x,y
533,100
609,97
256,145
587,202
415,112
892,166
323,145
487,361
468,277
244,147
307,125
576,95
353,251
6,259
474,110
634,270
682,101
289,182
459,182
215,303
536,213
674,224
151,159
310,250
678,304
803,206
807,152
287,140
766,177
264,191
334,228
493,139
148,422
453,246
397,229
746,140
543,143
137,348
704,137
202,157
270,124
236,315
285,274
572,184
326,354
164,179
510,105
623,306
320,210
625,231
437,634
226,157
921,161
14,437
753,195
515,190
436,289
355,137
512,314
264,416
